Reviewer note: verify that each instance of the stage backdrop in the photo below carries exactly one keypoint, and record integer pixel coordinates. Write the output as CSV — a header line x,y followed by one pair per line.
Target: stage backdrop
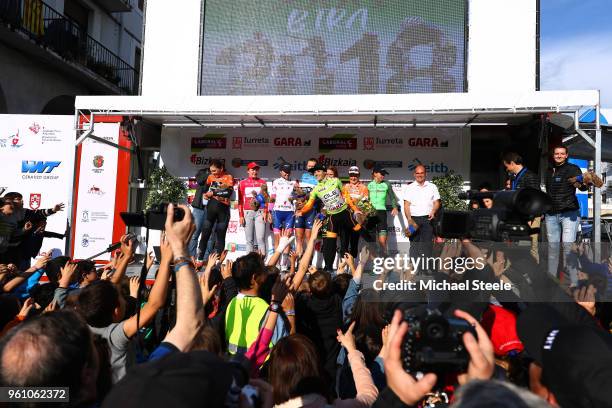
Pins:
x,y
184,151
37,156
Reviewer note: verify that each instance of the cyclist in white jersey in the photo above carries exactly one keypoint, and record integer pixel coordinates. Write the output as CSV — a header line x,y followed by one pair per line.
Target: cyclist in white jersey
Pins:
x,y
283,210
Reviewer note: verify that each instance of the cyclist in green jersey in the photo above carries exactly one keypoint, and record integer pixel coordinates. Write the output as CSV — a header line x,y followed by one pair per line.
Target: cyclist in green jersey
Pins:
x,y
336,205
380,190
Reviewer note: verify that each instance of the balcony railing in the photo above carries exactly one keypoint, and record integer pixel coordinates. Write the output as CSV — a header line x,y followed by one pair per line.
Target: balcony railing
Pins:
x,y
51,29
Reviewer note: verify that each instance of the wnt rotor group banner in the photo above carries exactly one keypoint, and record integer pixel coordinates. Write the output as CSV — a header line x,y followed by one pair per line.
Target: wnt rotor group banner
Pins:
x,y
37,156
399,151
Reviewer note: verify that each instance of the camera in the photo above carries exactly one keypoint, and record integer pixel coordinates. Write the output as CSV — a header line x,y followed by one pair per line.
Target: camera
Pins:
x,y
434,343
507,220
154,218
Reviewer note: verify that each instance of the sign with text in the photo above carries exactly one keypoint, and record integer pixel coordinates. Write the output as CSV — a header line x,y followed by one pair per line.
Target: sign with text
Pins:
x,y
97,188
37,156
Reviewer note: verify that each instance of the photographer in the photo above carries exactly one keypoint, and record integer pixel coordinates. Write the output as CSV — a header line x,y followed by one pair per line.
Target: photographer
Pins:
x,y
523,177
403,389
21,222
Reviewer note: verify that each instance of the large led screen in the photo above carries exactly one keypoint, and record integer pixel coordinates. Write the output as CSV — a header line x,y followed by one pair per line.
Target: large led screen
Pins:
x,y
305,47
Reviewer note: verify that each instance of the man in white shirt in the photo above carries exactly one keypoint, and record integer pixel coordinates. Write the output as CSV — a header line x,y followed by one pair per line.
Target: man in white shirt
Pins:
x,y
421,203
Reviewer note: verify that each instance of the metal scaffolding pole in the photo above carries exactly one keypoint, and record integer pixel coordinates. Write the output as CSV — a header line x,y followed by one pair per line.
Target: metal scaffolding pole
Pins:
x,y
597,191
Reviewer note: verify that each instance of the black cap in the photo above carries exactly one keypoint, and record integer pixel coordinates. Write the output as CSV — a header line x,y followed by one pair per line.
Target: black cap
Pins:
x,y
576,359
286,168
179,379
379,169
318,166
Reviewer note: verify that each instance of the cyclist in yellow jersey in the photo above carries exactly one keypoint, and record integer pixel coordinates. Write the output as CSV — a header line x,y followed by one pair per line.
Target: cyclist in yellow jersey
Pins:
x,y
329,191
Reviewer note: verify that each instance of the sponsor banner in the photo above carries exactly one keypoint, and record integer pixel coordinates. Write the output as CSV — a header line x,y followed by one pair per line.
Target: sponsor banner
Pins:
x,y
338,142
399,151
239,142
37,156
238,162
97,185
210,141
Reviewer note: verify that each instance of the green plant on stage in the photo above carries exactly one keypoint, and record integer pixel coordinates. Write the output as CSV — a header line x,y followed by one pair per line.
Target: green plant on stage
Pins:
x,y
164,188
449,186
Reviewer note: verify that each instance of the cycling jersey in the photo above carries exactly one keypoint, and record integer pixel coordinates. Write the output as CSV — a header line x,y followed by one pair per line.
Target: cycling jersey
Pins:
x,y
281,192
355,191
379,193
308,182
329,191
222,187
246,188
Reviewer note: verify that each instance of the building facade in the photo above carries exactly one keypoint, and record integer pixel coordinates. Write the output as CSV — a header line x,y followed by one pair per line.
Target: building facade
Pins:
x,y
53,50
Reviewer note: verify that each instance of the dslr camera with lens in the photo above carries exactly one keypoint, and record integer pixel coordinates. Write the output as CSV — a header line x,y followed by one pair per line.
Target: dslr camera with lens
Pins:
x,y
434,343
154,218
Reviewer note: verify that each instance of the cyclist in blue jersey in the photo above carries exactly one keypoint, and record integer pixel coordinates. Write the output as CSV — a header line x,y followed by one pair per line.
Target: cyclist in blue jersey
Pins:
x,y
303,223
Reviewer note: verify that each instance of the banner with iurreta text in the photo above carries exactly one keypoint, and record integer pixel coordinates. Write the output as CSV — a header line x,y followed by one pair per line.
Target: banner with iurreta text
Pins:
x,y
399,151
37,156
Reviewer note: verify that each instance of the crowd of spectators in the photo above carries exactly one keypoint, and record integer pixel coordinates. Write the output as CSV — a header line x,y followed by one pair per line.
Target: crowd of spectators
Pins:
x,y
243,333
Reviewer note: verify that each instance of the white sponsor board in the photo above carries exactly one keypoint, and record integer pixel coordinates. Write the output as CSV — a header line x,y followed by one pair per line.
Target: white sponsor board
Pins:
x,y
37,156
185,151
96,202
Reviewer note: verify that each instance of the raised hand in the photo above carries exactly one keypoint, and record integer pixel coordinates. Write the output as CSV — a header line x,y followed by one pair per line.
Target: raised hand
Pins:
x,y
279,290
66,274
347,339
223,255
364,254
167,254
226,269
58,207
482,356
25,308
51,307
149,260
585,297
350,261
207,293
128,246
409,390
178,233
212,261
316,226
42,261
134,284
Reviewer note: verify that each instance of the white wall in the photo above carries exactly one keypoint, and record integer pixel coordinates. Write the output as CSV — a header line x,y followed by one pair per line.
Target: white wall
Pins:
x,y
502,45
501,56
171,54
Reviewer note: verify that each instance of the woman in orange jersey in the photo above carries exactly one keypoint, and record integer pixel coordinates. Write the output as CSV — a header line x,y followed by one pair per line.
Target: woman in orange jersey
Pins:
x,y
356,191
220,187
